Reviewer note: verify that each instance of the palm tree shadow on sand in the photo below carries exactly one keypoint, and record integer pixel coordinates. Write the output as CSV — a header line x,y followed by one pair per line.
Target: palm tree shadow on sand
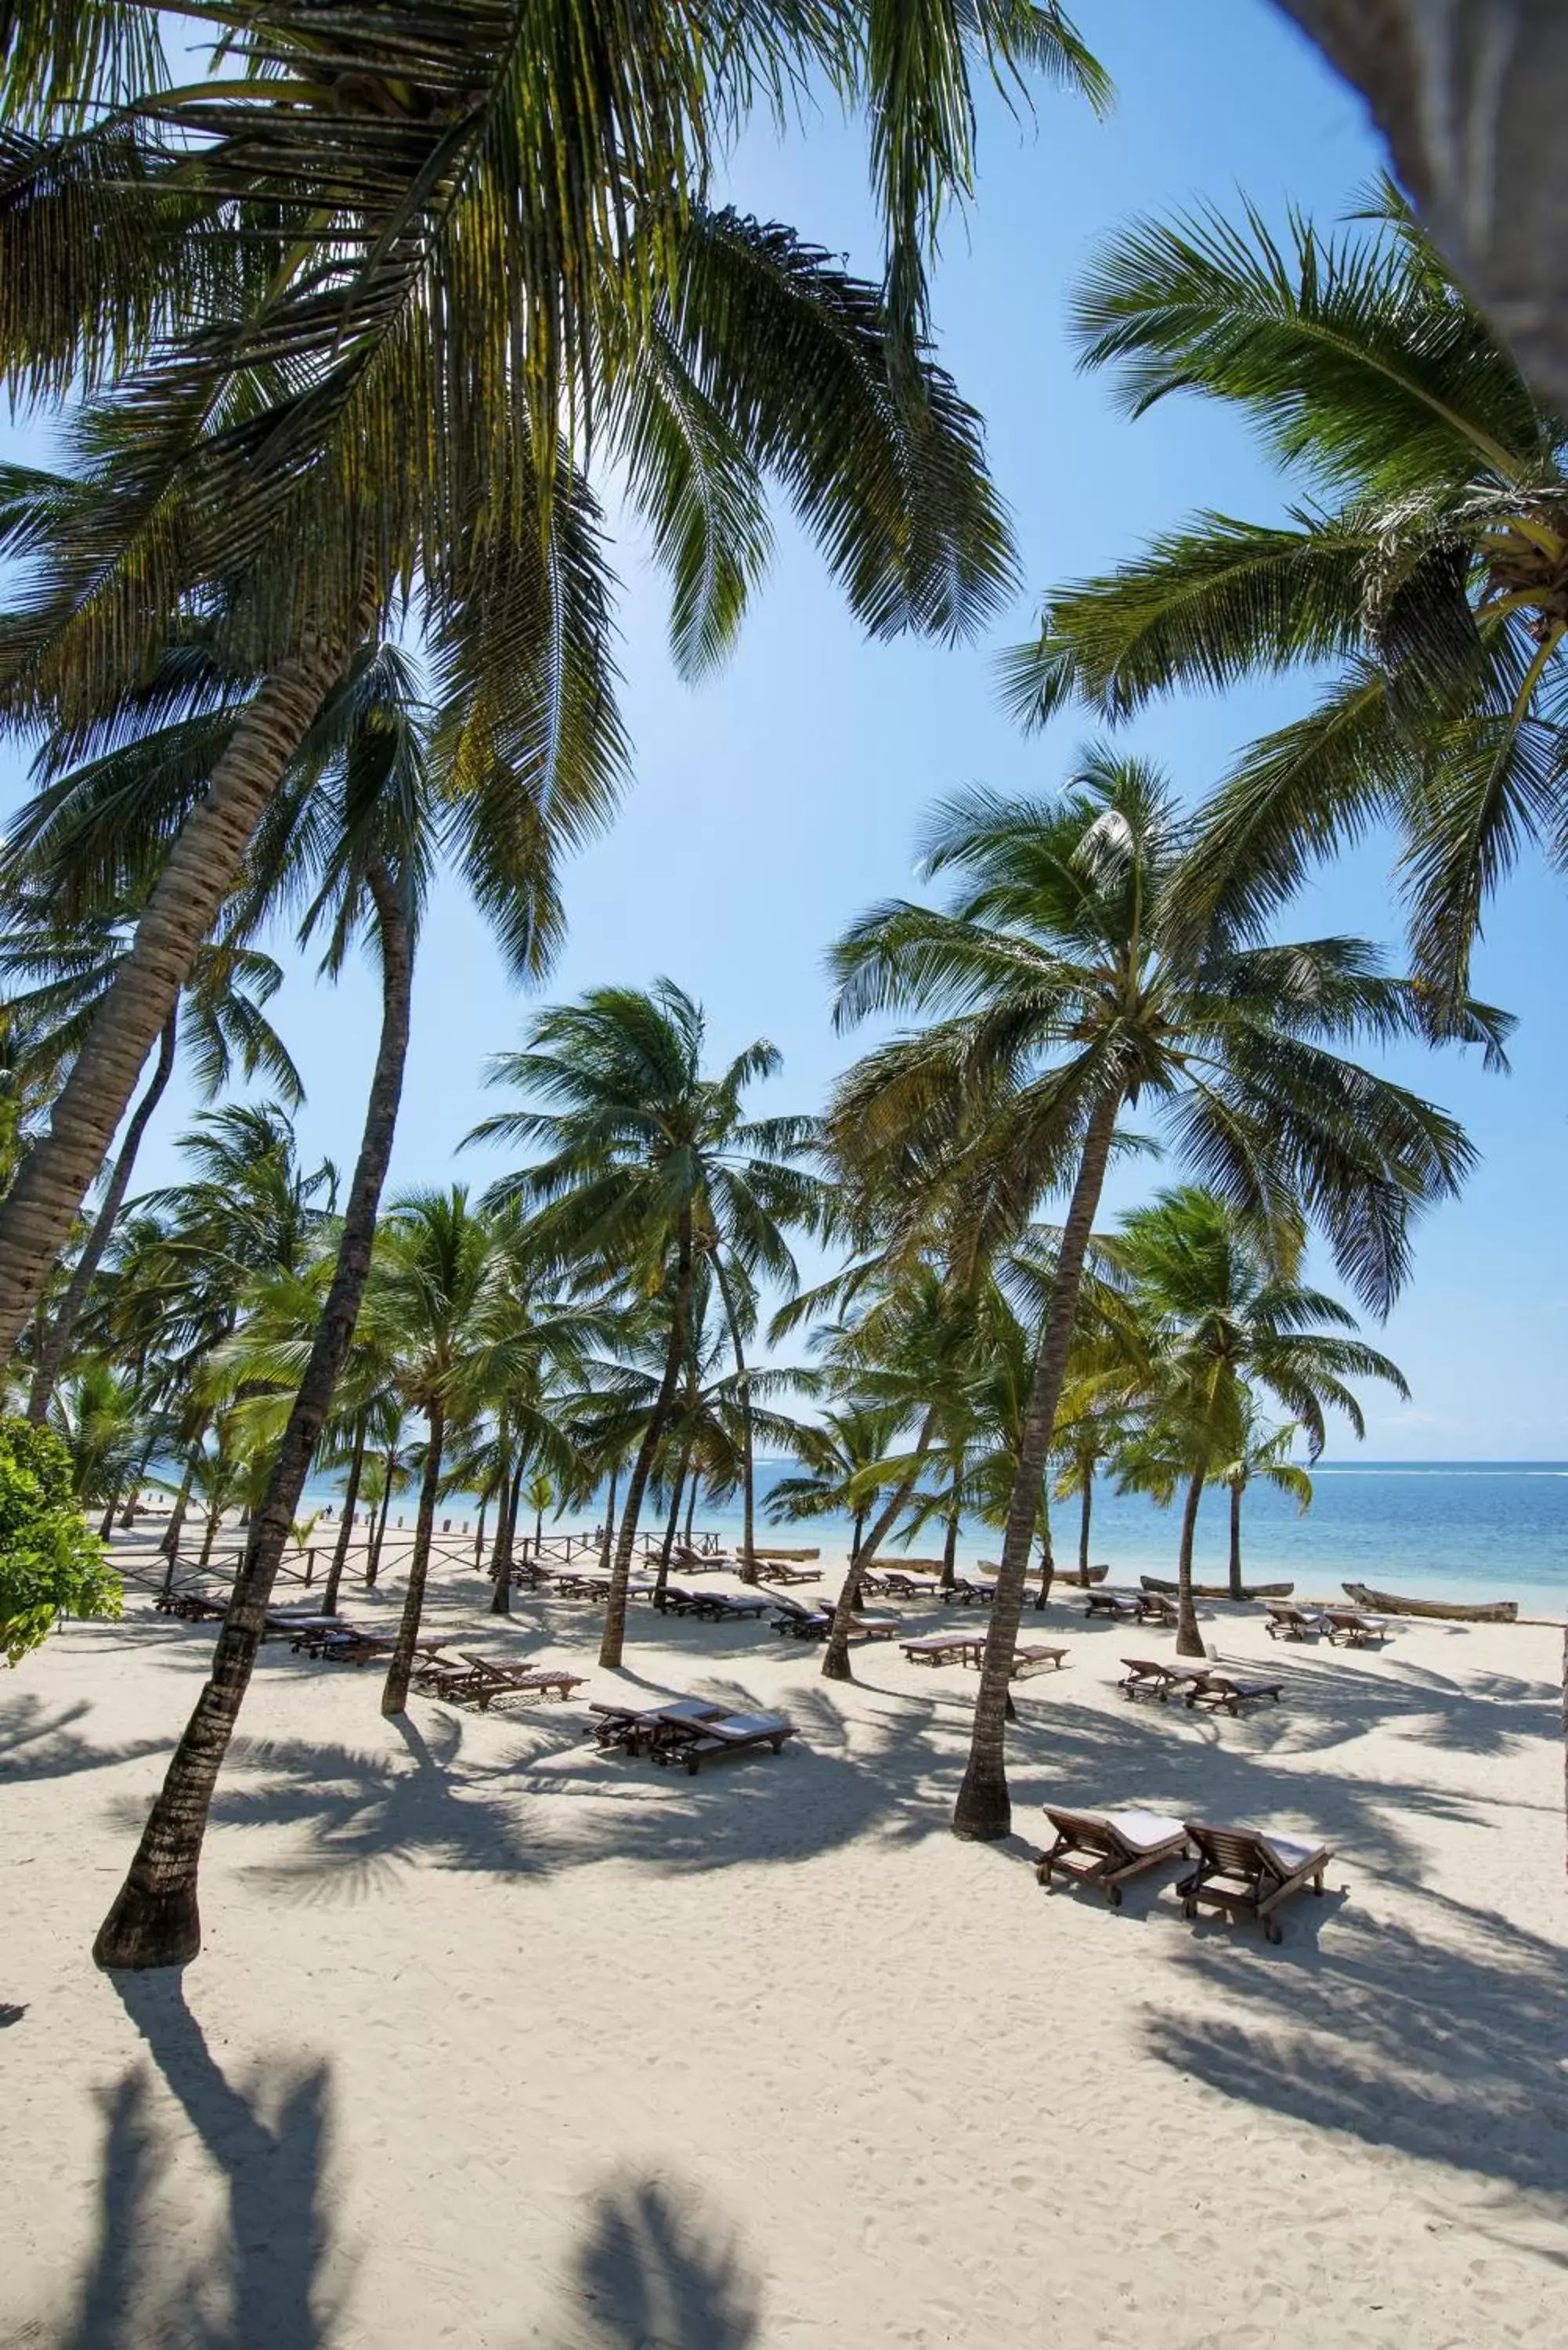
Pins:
x,y
261,2283
658,2270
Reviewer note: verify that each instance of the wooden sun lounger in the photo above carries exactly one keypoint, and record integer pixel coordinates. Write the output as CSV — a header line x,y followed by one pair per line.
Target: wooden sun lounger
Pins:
x,y
946,1648
760,1569
633,1729
1119,1603
1286,1621
900,1584
579,1587
1355,1627
693,1561
1106,1849
1146,1676
503,1677
1036,1653
1157,1607
968,1591
730,1733
1249,1873
1226,1690
197,1607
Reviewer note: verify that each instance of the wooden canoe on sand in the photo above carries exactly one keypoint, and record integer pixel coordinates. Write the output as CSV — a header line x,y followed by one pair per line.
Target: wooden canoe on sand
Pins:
x,y
1076,1582
1458,1611
1221,1590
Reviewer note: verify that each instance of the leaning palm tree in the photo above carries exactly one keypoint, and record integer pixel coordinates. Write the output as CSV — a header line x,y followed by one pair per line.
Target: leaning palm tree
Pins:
x,y
1426,566
652,1178
1070,991
703,350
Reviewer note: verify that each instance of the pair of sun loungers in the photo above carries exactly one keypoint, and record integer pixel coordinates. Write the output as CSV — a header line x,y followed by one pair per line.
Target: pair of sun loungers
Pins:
x,y
969,1648
713,1606
1246,1872
1194,1684
968,1591
897,1583
485,1682
815,1623
1131,1606
688,1730
1353,1625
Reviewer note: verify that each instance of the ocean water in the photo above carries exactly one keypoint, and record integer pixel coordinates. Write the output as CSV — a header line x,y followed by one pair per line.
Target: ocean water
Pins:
x,y
1460,1529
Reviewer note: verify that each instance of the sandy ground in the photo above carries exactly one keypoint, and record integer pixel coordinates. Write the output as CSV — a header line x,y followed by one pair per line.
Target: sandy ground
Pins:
x,y
494,2041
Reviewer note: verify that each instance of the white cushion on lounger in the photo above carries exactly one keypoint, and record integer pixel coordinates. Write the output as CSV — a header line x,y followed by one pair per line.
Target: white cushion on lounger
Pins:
x,y
1286,1851
746,1725
1144,1828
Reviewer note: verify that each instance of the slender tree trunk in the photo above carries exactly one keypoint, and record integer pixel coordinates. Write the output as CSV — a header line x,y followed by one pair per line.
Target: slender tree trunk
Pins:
x,y
351,1504
107,1528
504,1496
155,1919
37,1213
836,1665
171,1542
661,1579
1236,1590
375,1535
506,1523
856,1532
748,1468
1471,96
614,1641
395,1696
1047,1555
214,1518
983,1810
56,1344
607,1544
479,1529
691,1507
950,1550
1086,1512
1188,1639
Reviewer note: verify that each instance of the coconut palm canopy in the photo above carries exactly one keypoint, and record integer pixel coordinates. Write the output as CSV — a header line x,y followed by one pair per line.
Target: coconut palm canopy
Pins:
x,y
1426,568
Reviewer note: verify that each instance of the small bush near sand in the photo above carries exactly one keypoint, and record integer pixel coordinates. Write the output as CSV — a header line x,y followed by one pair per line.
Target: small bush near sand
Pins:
x,y
50,1565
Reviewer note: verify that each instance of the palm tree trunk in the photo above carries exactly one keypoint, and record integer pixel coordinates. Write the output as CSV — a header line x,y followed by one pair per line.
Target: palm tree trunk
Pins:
x,y
692,1491
608,1543
614,1641
171,1542
37,1213
949,1549
107,1528
855,1534
668,1545
53,1352
155,1919
395,1696
1188,1639
377,1534
1047,1554
835,1665
479,1529
214,1517
748,1472
1236,1590
505,1521
983,1810
351,1504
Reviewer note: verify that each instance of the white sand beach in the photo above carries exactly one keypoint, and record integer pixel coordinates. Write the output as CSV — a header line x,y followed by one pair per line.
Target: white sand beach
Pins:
x,y
497,2042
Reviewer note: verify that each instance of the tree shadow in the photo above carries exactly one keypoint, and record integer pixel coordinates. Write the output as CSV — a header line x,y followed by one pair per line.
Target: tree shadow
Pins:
x,y
40,1742
658,2272
1433,2038
261,2282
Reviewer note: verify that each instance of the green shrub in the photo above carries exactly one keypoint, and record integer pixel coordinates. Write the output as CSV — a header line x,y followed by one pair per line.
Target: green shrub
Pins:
x,y
50,1565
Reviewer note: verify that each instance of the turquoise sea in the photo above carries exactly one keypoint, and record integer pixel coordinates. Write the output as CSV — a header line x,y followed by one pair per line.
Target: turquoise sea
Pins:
x,y
1479,1529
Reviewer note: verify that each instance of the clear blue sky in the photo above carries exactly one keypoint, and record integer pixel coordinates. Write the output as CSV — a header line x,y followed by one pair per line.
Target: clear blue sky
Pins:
x,y
776,801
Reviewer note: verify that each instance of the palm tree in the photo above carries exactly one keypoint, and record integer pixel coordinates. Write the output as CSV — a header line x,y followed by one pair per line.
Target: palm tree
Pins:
x,y
651,1173
1426,565
1264,1452
219,1020
1072,990
707,351
839,1454
1223,1317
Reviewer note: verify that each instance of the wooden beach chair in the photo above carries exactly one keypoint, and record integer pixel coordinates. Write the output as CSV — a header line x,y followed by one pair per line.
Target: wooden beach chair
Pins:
x,y
730,1733
1226,1691
1035,1654
1249,1872
968,1591
500,1677
633,1729
944,1647
760,1568
1146,1676
1158,1607
1106,1849
900,1584
1286,1621
1356,1628
1124,1605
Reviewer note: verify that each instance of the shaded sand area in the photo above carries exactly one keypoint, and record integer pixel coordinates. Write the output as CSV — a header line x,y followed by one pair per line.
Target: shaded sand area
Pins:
x,y
496,2042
